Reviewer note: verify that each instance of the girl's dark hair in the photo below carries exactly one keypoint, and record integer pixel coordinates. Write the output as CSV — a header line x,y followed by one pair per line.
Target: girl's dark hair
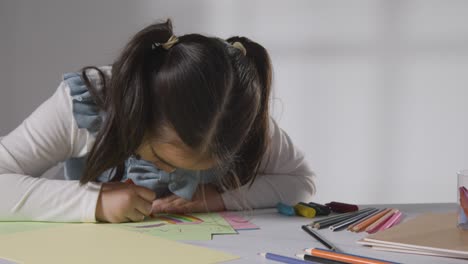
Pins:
x,y
214,97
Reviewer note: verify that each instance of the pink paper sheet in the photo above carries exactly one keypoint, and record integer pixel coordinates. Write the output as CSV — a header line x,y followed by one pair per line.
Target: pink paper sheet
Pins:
x,y
238,222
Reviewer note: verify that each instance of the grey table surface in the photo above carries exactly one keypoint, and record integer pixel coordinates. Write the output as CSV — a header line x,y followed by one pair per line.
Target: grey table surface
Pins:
x,y
283,235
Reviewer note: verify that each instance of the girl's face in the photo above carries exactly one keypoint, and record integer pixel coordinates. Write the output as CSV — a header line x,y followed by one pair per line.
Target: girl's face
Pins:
x,y
171,153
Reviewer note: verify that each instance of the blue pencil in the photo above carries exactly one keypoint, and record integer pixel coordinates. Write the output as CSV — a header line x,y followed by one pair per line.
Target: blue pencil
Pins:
x,y
285,259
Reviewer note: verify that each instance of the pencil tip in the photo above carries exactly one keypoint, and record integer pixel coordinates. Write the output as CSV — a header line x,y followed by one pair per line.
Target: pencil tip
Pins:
x,y
262,254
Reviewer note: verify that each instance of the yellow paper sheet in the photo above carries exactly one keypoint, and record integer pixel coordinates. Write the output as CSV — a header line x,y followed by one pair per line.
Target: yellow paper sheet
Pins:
x,y
91,243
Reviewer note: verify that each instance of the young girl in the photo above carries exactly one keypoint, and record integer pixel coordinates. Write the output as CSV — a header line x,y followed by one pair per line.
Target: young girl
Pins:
x,y
177,124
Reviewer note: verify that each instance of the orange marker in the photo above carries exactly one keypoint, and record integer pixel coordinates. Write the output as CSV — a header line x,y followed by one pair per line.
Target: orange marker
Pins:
x,y
348,258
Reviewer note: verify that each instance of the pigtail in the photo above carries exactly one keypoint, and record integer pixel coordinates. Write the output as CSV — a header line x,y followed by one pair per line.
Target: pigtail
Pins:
x,y
253,150
128,102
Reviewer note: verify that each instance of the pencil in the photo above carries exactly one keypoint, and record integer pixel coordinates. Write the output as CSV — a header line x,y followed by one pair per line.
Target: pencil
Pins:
x,y
362,220
320,239
318,259
395,218
348,258
360,227
331,218
343,224
379,222
284,259
324,224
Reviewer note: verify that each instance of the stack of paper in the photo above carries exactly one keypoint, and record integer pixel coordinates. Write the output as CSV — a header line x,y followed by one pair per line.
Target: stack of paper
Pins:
x,y
428,234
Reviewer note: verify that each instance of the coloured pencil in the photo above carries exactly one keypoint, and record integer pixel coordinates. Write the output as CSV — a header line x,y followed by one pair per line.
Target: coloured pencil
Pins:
x,y
390,222
360,227
374,226
284,259
324,224
320,239
327,222
332,217
343,224
350,228
348,258
319,259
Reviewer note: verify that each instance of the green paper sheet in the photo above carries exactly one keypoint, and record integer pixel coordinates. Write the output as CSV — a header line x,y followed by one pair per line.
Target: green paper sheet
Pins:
x,y
198,226
99,244
15,227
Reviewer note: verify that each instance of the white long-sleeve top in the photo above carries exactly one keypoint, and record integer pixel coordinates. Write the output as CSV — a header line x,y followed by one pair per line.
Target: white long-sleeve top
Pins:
x,y
50,135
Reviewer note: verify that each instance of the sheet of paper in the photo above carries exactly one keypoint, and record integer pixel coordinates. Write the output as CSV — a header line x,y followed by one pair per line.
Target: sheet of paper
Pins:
x,y
238,222
198,226
15,227
92,243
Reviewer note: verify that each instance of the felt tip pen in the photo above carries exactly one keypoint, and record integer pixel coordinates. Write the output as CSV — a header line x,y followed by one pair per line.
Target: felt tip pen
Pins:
x,y
320,208
285,209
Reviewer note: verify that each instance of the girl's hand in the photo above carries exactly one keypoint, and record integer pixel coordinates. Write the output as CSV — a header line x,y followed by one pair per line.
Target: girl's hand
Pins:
x,y
121,202
175,204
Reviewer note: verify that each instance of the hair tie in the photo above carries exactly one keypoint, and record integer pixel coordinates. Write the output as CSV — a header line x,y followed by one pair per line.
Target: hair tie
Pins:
x,y
240,47
168,44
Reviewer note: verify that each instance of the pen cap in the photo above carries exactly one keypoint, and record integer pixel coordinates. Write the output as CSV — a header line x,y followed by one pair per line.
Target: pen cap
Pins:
x,y
342,207
304,210
319,208
285,209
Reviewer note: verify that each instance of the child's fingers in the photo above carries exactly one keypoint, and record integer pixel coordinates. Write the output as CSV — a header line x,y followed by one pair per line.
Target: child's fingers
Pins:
x,y
180,202
182,206
169,198
144,193
144,207
179,208
164,205
164,201
136,216
157,206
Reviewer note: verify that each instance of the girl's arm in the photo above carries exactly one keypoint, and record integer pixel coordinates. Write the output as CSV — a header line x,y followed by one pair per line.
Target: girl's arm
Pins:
x,y
284,177
47,137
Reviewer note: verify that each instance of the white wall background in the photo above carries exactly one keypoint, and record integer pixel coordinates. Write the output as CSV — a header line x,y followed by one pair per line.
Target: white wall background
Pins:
x,y
374,92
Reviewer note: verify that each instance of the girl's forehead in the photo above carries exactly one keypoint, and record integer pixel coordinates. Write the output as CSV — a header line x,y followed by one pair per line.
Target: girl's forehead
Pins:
x,y
171,149
182,157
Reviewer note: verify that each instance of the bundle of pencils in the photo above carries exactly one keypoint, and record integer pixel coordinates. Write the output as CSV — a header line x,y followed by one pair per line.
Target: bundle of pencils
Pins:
x,y
370,220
